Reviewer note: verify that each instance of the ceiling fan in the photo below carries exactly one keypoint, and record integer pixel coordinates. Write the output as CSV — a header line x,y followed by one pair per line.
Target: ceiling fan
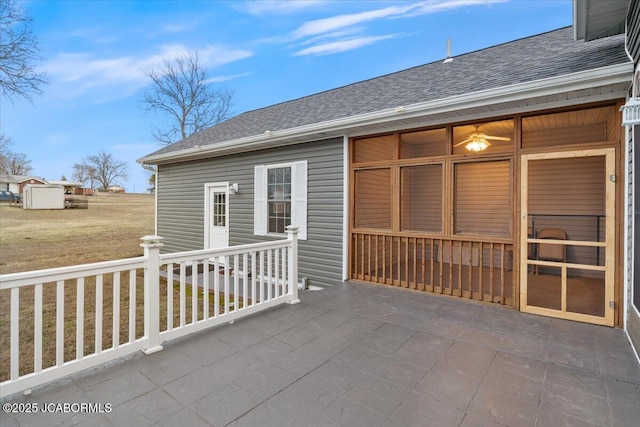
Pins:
x,y
478,141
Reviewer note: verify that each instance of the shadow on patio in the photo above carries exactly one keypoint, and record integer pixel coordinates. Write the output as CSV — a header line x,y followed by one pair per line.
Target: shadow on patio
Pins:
x,y
361,355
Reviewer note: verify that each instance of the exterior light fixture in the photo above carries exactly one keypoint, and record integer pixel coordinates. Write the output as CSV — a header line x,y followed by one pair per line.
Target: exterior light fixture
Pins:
x,y
631,112
233,188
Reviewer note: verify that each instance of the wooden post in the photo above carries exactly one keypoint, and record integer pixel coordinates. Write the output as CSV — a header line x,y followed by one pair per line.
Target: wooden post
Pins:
x,y
152,245
292,231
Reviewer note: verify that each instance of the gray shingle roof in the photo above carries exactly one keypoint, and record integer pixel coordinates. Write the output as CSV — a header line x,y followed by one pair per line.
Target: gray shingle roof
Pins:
x,y
533,58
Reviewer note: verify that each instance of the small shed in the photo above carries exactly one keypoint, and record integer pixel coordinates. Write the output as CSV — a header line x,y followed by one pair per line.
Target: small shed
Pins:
x,y
43,196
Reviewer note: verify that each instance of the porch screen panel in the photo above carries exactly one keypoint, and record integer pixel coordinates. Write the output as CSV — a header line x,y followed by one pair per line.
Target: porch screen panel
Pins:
x,y
374,149
483,198
570,127
569,194
373,199
421,198
425,143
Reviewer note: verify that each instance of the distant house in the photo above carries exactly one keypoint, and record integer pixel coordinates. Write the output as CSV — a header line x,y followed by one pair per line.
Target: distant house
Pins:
x,y
115,189
498,176
70,187
16,183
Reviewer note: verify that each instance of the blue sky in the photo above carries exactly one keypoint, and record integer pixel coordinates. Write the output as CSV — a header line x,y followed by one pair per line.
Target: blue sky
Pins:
x,y
95,54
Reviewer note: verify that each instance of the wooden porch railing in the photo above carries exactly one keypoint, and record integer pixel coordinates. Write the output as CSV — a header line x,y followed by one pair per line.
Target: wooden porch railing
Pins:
x,y
475,269
71,318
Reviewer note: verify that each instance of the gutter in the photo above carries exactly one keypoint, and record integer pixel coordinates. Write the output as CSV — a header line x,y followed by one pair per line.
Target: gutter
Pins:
x,y
588,79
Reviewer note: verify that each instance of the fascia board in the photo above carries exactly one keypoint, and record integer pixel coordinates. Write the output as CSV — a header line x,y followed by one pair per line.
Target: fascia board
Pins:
x,y
613,74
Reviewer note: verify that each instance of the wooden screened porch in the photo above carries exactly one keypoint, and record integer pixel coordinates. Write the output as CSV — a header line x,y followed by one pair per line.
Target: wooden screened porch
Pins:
x,y
449,210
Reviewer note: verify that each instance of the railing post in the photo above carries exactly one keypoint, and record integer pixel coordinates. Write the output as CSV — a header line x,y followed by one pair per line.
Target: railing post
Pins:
x,y
292,231
152,245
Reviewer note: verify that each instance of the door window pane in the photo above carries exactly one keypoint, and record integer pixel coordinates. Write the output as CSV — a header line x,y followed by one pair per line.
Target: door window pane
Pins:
x,y
219,209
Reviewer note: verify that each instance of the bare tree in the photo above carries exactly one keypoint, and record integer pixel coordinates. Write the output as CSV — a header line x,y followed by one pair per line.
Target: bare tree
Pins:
x,y
82,174
19,164
5,143
12,163
18,53
182,92
102,168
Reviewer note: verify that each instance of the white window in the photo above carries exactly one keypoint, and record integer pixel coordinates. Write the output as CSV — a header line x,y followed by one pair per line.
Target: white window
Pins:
x,y
280,198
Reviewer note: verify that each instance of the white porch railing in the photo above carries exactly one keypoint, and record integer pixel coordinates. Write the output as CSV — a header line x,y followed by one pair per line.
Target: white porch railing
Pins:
x,y
73,318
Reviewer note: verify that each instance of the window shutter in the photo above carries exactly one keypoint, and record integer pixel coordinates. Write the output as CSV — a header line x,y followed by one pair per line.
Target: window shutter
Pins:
x,y
300,198
259,201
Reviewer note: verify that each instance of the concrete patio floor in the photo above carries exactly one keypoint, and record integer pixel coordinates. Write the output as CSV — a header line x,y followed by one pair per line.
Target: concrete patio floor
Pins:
x,y
361,355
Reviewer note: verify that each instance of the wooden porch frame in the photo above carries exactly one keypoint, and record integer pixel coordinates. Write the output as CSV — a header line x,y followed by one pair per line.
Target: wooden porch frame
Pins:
x,y
450,160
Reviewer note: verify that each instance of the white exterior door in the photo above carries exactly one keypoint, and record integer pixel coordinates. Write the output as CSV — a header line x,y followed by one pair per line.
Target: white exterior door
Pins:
x,y
216,212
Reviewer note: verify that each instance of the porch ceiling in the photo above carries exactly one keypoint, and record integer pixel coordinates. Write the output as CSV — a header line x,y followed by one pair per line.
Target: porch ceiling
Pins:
x,y
595,19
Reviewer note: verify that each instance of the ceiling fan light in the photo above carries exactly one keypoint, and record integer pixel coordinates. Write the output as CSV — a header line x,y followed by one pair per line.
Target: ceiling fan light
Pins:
x,y
477,144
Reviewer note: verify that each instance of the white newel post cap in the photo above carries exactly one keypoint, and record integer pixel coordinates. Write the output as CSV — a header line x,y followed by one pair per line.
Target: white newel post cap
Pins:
x,y
292,229
631,112
152,241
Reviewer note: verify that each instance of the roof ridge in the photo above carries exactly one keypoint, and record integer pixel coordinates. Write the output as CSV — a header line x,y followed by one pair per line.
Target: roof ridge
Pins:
x,y
399,71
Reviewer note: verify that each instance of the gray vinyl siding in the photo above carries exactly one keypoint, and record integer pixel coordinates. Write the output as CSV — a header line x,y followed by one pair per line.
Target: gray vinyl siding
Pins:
x,y
633,261
181,203
632,264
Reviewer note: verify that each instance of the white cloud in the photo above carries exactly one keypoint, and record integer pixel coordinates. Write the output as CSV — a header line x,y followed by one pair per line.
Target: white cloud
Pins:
x,y
214,56
342,45
325,25
96,35
175,27
341,29
428,7
219,79
261,7
347,32
81,72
